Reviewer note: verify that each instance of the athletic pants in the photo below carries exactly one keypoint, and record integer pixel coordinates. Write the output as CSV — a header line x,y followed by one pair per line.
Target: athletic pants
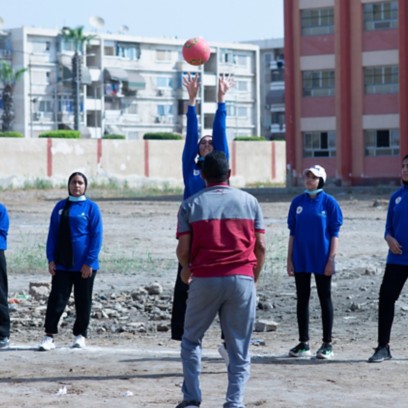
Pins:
x,y
394,279
323,285
62,283
4,309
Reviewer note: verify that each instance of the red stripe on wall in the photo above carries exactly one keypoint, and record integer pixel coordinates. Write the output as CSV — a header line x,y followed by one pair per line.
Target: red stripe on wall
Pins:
x,y
234,159
273,161
345,91
290,113
146,158
49,157
99,151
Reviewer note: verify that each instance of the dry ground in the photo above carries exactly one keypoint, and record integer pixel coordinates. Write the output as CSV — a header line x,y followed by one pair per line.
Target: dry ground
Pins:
x,y
144,370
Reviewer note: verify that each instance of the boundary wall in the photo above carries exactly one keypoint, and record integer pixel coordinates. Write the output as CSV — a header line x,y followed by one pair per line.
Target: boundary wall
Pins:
x,y
55,159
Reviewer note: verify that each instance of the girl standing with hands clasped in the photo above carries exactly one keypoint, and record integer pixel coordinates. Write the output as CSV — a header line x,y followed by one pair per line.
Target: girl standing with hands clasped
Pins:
x,y
314,221
73,245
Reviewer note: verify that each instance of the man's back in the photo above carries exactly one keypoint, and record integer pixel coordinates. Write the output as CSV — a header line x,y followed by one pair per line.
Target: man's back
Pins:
x,y
222,222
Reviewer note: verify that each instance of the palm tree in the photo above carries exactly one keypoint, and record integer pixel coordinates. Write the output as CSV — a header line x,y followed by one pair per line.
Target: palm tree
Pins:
x,y
77,36
8,77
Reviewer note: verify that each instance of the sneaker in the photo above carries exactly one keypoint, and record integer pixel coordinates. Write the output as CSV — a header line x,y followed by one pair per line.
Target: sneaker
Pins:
x,y
325,352
189,404
301,350
381,353
79,342
47,344
4,342
223,353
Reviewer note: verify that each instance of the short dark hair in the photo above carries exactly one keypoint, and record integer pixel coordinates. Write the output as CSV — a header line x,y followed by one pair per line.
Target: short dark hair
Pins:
x,y
215,167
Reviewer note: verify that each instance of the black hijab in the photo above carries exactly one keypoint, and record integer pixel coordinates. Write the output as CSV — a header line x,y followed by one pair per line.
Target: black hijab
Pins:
x,y
64,252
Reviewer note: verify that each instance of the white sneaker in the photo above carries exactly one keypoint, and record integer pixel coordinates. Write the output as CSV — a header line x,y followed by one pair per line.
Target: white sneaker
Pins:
x,y
79,342
223,353
47,344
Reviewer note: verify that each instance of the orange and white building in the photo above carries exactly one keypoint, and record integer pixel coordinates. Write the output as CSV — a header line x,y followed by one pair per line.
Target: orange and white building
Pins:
x,y
346,88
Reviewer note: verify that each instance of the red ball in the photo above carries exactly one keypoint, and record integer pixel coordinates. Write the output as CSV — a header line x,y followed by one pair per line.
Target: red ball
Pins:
x,y
196,51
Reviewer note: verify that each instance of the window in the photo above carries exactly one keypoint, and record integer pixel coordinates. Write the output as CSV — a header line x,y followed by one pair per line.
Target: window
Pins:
x,y
241,86
45,106
229,57
242,111
109,50
278,118
317,21
128,50
277,75
237,111
240,59
128,105
164,82
267,59
40,77
65,104
382,142
67,45
381,79
163,55
318,83
319,144
164,110
381,16
40,47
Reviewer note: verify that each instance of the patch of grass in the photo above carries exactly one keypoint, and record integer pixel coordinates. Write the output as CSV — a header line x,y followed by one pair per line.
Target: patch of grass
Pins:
x,y
130,263
38,184
31,259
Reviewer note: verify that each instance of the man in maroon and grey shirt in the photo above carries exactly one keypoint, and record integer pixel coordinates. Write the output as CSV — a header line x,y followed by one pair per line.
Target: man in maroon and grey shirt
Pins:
x,y
222,250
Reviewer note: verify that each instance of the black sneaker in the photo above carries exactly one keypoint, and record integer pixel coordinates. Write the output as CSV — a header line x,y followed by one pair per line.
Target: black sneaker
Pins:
x,y
325,352
381,353
301,350
4,342
189,404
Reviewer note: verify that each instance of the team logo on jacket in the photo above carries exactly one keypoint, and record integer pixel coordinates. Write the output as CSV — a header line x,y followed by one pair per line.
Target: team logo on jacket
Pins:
x,y
324,213
299,209
196,172
398,200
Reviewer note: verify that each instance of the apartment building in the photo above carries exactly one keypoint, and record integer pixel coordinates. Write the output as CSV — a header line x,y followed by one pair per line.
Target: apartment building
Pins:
x,y
129,85
272,87
346,88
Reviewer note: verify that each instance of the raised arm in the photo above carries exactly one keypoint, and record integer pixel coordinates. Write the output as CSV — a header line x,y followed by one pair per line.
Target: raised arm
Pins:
x,y
220,141
191,83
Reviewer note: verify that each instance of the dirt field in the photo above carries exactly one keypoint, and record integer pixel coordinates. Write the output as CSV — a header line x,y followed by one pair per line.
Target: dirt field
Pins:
x,y
144,370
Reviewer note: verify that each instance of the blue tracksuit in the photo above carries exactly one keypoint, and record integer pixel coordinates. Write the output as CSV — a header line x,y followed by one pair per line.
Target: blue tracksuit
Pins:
x,y
397,225
313,222
86,232
4,227
193,183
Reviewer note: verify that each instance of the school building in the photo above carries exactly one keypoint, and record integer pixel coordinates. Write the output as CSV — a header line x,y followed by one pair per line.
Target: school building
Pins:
x,y
346,88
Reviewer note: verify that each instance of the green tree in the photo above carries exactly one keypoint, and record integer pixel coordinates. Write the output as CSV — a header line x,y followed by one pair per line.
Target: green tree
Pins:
x,y
8,77
78,38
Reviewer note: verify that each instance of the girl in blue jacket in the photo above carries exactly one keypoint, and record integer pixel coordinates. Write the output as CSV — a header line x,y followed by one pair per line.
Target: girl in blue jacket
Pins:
x,y
195,150
73,245
396,269
314,221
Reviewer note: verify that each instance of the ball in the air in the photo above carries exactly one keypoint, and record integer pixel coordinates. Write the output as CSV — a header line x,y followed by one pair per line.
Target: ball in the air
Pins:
x,y
196,51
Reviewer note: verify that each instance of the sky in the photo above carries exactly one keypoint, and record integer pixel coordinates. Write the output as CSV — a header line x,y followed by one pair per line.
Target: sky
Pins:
x,y
215,20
